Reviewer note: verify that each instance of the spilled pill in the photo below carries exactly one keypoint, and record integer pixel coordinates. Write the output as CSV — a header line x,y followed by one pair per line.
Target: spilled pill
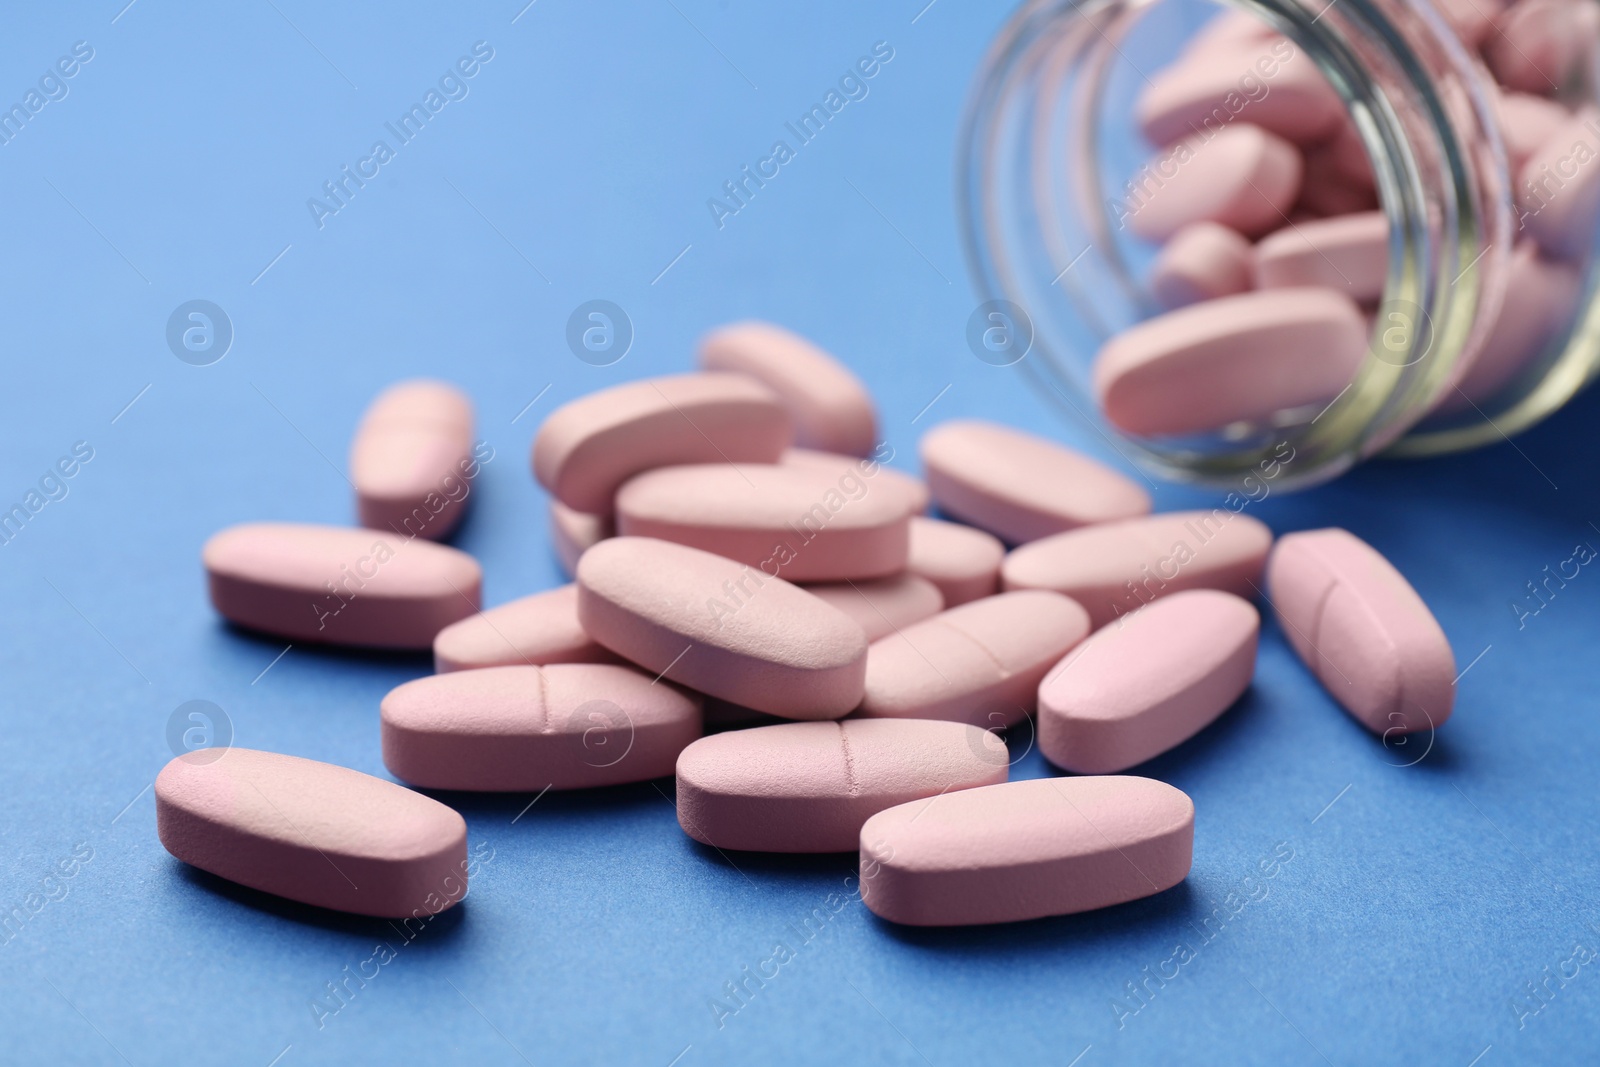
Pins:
x,y
1025,850
808,786
312,832
538,629
1363,631
339,586
588,447
883,605
575,532
525,729
962,561
1348,253
722,628
412,461
1202,261
1241,177
868,468
1149,682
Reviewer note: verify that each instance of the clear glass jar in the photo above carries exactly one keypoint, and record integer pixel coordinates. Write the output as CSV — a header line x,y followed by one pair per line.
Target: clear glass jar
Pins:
x,y
1051,136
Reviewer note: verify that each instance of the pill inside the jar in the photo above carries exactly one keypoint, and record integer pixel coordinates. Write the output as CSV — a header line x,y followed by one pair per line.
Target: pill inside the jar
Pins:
x,y
525,729
1117,568
962,561
1363,631
588,447
980,663
801,523
412,463
808,786
341,586
1202,261
1269,83
1025,850
1020,487
575,532
883,605
1536,46
312,832
1149,682
1558,189
831,409
1348,254
722,628
1241,176
1239,358
1527,124
538,629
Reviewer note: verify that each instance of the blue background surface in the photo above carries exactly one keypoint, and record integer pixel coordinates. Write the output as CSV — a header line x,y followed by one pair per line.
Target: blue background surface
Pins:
x,y
1419,900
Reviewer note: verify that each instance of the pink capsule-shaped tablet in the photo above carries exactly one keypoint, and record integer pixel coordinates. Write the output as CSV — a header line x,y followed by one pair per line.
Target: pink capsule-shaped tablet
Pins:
x,y
883,605
801,523
1363,631
588,447
1236,359
1473,20
1227,31
1202,261
1558,189
722,628
808,786
339,586
1527,124
525,729
1268,83
1241,177
1119,567
412,462
532,630
1536,46
312,832
830,406
575,532
1348,254
962,561
1020,487
1025,850
1148,683
868,469
980,663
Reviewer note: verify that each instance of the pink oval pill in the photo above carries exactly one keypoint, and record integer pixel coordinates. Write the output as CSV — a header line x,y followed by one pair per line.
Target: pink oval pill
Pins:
x,y
980,663
1539,301
1348,254
1020,487
1267,83
1239,358
588,447
575,532
830,406
868,469
722,628
962,561
532,630
1538,45
1363,631
1119,567
808,786
1473,20
883,605
1147,684
1227,31
1558,189
801,523
312,832
524,729
1025,850
1241,177
1202,261
1527,124
411,462
339,586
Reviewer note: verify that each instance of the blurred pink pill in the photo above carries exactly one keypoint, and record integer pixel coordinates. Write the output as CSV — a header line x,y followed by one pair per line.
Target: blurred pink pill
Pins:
x,y
722,628
1558,189
802,523
1537,45
1241,177
1239,358
1119,567
1020,487
867,468
525,729
1348,254
808,786
830,406
1267,83
964,562
1363,631
340,586
1539,301
1228,30
1527,124
575,532
883,605
980,663
1202,261
412,461
1135,689
312,832
1025,850
538,629
588,447
1473,20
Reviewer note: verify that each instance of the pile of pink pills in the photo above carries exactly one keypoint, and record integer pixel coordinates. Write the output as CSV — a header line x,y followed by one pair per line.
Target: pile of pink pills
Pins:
x,y
1274,251
741,554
